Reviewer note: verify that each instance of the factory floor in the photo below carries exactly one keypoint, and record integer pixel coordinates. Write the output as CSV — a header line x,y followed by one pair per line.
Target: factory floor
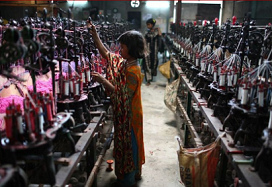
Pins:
x,y
160,131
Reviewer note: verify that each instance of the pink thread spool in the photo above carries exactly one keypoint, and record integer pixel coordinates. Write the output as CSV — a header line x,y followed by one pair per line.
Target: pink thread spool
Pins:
x,y
216,21
234,18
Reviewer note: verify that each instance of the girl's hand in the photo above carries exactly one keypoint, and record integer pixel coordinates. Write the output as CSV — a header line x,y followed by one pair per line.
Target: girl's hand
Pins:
x,y
100,46
103,81
97,77
91,28
159,31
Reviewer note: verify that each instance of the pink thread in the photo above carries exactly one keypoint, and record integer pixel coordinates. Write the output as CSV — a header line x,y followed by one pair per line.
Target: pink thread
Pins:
x,y
6,101
42,86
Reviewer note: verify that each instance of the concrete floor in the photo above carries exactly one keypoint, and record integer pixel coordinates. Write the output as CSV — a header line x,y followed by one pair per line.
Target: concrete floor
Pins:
x,y
160,132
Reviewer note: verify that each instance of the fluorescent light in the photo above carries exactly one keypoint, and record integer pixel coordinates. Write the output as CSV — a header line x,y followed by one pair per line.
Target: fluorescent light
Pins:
x,y
157,4
203,2
76,2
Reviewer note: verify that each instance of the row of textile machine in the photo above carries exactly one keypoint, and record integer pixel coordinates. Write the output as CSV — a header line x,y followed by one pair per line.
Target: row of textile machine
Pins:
x,y
52,113
229,66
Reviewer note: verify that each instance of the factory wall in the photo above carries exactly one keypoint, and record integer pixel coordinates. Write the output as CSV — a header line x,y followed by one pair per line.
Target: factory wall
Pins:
x,y
122,10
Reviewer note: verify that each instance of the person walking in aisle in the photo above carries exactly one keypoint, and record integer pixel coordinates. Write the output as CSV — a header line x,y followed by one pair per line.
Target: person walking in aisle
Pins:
x,y
123,81
153,39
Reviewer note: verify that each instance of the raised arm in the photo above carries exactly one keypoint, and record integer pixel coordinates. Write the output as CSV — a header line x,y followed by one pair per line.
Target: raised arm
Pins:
x,y
159,31
100,46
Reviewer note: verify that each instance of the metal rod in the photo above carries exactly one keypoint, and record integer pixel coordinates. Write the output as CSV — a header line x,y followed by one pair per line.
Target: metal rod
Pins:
x,y
94,171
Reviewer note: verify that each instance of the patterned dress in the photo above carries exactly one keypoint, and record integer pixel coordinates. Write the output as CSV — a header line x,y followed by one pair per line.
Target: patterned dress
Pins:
x,y
150,62
128,114
134,81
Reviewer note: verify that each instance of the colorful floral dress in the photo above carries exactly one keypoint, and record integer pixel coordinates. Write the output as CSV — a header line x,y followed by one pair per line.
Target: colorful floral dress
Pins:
x,y
134,81
127,107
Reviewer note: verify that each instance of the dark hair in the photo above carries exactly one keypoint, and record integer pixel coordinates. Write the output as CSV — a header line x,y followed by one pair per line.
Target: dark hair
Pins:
x,y
135,43
152,21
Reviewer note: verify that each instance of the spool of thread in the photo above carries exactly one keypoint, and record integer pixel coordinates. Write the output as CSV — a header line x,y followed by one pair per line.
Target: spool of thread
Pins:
x,y
83,76
66,88
193,57
244,96
99,69
229,79
39,112
215,76
209,68
261,98
77,88
197,59
222,79
240,90
203,65
216,21
260,61
49,111
197,62
213,69
88,75
57,86
72,85
235,78
80,86
219,70
234,18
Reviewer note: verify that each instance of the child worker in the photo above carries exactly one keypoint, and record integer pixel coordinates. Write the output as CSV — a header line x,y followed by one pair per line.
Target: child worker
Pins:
x,y
123,80
154,42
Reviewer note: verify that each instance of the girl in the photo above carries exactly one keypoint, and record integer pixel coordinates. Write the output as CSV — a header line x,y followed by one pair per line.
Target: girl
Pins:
x,y
153,39
123,81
